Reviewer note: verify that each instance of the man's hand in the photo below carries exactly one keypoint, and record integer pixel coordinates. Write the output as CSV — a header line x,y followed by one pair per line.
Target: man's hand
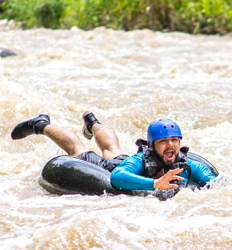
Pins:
x,y
163,182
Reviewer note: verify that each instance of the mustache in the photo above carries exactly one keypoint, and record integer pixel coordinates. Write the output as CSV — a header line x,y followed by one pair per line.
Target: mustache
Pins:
x,y
168,149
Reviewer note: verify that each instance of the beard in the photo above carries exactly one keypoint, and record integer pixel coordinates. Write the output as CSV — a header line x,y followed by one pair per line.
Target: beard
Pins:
x,y
168,161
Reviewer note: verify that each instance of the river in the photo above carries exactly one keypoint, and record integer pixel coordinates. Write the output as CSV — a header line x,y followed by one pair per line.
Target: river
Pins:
x,y
127,79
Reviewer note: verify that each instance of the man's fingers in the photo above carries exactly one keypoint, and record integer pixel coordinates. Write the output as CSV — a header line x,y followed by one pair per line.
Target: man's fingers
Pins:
x,y
164,181
173,186
177,170
172,174
176,177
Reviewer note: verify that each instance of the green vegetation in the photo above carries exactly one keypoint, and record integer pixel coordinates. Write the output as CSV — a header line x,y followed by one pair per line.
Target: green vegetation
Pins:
x,y
191,16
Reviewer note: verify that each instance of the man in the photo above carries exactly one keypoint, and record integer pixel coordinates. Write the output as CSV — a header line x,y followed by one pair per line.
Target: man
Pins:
x,y
163,153
112,155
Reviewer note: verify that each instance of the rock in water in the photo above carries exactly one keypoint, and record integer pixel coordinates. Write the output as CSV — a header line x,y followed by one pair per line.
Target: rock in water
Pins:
x,y
6,52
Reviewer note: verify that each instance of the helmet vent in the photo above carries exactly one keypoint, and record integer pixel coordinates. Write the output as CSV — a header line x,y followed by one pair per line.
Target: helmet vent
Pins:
x,y
162,128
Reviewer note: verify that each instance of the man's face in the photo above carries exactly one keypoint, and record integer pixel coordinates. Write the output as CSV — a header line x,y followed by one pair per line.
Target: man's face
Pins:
x,y
167,149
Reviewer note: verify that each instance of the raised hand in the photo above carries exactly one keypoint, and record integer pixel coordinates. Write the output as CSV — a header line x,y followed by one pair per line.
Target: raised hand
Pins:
x,y
164,181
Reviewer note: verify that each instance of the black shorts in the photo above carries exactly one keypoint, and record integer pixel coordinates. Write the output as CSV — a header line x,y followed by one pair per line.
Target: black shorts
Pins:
x,y
109,165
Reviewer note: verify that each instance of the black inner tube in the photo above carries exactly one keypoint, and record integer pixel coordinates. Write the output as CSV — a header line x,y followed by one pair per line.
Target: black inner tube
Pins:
x,y
71,175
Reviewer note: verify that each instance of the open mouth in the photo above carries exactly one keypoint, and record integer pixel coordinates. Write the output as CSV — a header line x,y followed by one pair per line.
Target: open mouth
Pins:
x,y
169,154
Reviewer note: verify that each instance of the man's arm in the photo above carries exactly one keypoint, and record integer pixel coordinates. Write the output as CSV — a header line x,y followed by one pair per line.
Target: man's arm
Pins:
x,y
129,175
200,173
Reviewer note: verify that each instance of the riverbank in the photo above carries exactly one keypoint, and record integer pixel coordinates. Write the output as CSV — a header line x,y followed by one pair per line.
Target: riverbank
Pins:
x,y
194,17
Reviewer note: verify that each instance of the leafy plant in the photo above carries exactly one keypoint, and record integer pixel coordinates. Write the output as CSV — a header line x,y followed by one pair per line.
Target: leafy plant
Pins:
x,y
49,13
192,16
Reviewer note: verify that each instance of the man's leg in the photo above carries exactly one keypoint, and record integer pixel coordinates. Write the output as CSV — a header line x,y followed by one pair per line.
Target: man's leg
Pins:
x,y
105,138
107,141
40,124
66,140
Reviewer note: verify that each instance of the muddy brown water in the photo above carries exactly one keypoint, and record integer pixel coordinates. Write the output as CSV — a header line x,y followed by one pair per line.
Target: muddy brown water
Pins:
x,y
127,79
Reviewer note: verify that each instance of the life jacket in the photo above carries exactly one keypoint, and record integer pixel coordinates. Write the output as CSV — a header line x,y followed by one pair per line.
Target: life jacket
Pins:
x,y
151,167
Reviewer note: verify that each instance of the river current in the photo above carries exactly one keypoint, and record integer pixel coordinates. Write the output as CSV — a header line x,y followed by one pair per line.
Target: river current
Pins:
x,y
127,79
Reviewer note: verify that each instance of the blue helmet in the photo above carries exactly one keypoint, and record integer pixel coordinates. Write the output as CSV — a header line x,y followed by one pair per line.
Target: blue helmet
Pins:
x,y
163,128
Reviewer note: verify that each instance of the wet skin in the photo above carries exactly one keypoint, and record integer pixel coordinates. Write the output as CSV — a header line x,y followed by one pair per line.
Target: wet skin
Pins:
x,y
167,149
